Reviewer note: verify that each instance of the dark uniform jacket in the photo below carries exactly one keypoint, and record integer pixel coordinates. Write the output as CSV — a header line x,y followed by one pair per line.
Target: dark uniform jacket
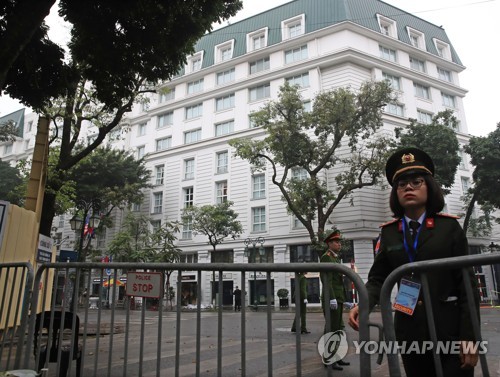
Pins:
x,y
303,287
440,237
333,281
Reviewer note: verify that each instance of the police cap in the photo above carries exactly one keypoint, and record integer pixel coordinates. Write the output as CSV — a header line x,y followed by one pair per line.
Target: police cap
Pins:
x,y
408,161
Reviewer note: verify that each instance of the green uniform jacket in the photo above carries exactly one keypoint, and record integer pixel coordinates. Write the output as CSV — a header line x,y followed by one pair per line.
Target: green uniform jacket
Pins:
x,y
303,287
442,239
333,281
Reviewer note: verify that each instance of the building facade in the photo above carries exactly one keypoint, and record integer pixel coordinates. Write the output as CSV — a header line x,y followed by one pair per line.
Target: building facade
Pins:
x,y
183,131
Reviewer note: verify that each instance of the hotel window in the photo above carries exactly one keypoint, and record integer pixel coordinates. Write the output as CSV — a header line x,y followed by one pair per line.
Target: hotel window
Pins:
x,y
195,62
167,94
224,51
303,253
189,168
307,106
387,53
157,202
225,102
26,144
417,38
140,152
260,92
268,257
463,160
421,91
221,192
159,174
30,126
222,256
393,80
296,54
163,143
395,109
222,162
424,117
141,129
417,65
188,258
101,238
195,86
136,207
301,80
194,111
165,120
297,223
443,49
187,231
225,77
257,40
259,65
192,136
444,75
258,219
155,225
300,173
251,122
465,184
259,186
61,221
224,128
448,100
145,106
188,197
292,27
387,26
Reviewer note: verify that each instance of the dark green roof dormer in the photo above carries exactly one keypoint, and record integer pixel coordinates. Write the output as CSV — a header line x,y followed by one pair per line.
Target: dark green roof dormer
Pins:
x,y
320,14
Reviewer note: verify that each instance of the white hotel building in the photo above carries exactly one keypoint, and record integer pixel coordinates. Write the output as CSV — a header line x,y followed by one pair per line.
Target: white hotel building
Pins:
x,y
320,45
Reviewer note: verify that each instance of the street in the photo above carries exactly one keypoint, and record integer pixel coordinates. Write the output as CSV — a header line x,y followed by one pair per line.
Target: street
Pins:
x,y
283,345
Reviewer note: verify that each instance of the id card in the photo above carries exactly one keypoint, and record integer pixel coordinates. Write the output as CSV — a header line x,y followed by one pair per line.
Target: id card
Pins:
x,y
407,296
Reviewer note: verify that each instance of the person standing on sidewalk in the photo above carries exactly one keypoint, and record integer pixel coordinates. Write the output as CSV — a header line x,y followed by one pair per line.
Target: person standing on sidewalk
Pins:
x,y
302,285
333,282
237,299
418,233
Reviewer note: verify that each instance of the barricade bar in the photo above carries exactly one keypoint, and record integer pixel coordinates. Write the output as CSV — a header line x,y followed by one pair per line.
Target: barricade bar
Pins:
x,y
132,356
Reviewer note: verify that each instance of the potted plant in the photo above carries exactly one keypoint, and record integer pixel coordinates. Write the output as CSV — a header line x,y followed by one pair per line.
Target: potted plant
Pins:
x,y
283,296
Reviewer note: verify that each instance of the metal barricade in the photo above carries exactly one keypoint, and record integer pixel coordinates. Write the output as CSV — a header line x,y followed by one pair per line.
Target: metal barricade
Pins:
x,y
423,268
16,280
129,342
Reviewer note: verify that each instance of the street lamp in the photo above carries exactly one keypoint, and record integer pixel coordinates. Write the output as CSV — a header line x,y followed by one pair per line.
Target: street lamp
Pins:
x,y
78,224
262,252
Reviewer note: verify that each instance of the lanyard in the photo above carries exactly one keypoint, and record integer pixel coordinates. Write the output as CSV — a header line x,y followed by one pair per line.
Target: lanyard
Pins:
x,y
411,253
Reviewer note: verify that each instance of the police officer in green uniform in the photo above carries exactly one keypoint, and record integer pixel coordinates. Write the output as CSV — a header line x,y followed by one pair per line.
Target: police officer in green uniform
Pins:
x,y
418,233
333,282
302,285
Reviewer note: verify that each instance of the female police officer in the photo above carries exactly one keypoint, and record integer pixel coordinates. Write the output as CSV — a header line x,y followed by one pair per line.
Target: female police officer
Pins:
x,y
420,233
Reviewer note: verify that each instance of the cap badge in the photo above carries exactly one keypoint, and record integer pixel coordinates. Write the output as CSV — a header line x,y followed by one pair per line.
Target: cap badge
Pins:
x,y
408,158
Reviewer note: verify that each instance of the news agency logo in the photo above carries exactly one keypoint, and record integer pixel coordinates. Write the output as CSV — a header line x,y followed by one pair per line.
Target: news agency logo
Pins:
x,y
333,346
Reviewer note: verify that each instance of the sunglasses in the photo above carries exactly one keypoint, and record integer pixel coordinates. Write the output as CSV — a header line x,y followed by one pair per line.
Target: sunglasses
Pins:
x,y
414,183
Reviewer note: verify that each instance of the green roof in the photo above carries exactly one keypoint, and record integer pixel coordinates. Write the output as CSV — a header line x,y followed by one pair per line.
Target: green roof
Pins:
x,y
18,118
320,14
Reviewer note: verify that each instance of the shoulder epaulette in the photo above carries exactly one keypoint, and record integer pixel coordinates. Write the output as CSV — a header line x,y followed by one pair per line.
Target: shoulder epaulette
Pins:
x,y
389,223
447,215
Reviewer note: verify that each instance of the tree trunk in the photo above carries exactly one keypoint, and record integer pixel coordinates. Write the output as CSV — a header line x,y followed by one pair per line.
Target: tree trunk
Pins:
x,y
48,213
468,214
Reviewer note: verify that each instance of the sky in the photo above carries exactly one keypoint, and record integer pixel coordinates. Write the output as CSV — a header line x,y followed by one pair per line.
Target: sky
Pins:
x,y
471,26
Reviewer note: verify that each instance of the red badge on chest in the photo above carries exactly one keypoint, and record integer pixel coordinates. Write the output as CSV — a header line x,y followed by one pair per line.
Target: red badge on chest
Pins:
x,y
429,223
